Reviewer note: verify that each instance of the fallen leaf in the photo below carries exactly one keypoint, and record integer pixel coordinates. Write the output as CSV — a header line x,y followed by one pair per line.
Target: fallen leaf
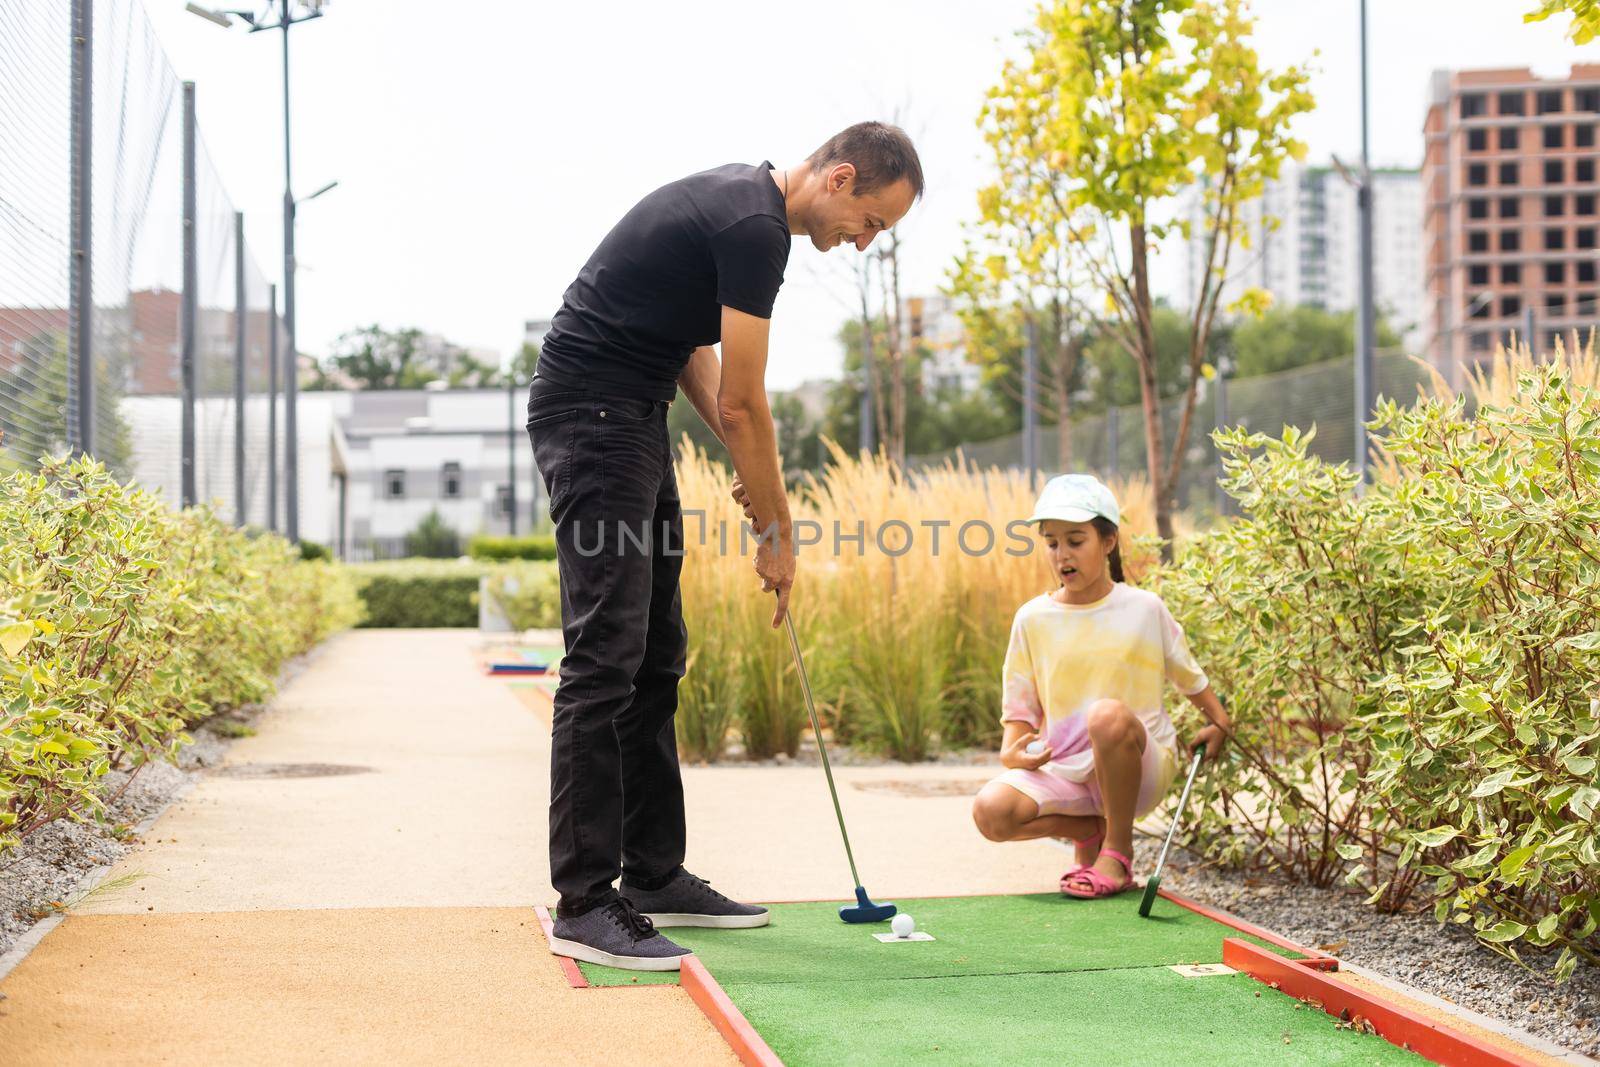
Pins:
x,y
1333,948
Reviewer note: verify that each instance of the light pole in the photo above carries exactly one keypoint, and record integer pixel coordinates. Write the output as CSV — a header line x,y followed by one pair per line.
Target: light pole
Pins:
x,y
284,12
1365,393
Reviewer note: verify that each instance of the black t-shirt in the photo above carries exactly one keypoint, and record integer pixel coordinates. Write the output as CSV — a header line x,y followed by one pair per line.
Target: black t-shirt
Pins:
x,y
654,289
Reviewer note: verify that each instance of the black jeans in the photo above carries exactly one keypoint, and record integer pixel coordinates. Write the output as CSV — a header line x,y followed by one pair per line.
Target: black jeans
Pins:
x,y
616,795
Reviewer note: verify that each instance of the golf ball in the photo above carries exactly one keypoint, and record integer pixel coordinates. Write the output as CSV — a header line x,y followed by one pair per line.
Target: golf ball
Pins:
x,y
902,925
1035,748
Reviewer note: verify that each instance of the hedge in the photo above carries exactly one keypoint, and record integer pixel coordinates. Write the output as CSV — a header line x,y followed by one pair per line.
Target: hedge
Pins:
x,y
428,594
535,547
414,593
122,622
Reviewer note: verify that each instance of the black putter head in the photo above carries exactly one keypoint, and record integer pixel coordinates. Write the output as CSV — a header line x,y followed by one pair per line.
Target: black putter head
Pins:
x,y
865,911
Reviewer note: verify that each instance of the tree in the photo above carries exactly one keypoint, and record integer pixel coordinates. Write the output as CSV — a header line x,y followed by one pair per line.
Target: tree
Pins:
x,y
1020,254
1585,17
935,421
524,363
432,538
470,372
1113,378
1147,98
1285,338
34,415
375,358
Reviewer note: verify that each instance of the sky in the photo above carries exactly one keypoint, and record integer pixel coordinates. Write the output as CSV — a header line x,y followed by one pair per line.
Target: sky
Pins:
x,y
484,147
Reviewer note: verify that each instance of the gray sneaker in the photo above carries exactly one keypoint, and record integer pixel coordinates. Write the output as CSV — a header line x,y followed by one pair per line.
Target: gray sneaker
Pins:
x,y
615,935
690,901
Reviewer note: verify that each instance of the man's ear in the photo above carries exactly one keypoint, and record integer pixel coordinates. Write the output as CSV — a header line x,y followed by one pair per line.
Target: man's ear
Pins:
x,y
841,177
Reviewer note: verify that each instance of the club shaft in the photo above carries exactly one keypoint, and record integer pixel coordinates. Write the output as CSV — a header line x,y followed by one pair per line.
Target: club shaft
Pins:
x,y
1183,800
811,707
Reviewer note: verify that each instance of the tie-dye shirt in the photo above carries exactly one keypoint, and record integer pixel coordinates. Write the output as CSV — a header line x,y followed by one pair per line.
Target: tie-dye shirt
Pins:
x,y
1064,657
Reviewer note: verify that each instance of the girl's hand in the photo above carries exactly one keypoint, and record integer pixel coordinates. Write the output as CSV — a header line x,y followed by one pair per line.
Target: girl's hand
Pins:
x,y
1213,738
1016,756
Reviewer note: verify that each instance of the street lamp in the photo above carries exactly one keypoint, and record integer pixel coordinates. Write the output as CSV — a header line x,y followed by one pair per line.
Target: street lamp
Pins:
x,y
280,15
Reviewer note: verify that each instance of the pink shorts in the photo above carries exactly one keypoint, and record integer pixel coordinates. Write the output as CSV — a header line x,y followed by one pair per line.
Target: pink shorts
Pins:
x,y
1061,796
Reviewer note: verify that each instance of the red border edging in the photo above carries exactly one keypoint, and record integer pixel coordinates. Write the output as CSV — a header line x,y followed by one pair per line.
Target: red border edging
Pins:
x,y
569,966
725,1015
1395,1024
1316,960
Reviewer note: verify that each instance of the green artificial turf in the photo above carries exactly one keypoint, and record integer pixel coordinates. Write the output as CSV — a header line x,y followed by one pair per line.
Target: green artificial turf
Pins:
x,y
1040,933
1148,1015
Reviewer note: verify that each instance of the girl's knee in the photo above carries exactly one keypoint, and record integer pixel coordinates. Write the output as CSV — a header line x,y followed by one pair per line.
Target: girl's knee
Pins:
x,y
994,815
1112,722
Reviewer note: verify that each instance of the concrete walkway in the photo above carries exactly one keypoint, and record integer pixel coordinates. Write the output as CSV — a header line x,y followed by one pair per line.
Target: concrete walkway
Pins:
x,y
356,882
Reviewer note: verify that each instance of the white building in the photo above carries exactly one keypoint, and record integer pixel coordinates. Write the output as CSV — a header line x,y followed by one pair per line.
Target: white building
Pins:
x,y
932,322
372,463
450,450
1312,256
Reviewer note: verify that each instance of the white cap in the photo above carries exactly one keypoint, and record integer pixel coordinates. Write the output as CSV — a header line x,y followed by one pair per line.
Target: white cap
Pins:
x,y
1076,498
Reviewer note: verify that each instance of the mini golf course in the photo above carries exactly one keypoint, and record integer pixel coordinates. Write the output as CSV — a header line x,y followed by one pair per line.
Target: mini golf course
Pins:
x,y
1027,979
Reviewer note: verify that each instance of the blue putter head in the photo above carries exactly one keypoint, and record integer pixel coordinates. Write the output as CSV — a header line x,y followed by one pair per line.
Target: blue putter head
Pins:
x,y
865,911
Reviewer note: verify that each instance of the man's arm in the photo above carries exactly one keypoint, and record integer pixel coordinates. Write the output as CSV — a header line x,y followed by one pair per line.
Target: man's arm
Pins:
x,y
700,381
748,432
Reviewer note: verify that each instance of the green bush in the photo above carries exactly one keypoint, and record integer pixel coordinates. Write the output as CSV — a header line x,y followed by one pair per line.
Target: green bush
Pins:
x,y
1485,732
1412,672
310,550
1292,610
527,594
121,622
419,593
533,547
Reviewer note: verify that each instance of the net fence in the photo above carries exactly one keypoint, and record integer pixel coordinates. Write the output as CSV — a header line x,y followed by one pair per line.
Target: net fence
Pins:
x,y
1112,443
135,250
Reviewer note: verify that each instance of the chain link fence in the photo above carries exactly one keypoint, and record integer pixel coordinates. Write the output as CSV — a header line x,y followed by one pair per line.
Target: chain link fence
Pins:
x,y
1112,444
93,300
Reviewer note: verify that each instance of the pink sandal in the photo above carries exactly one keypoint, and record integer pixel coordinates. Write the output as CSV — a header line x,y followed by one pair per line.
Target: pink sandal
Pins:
x,y
1093,841
1099,885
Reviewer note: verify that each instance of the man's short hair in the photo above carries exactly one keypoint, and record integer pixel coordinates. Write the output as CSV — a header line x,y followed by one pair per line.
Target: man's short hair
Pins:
x,y
882,154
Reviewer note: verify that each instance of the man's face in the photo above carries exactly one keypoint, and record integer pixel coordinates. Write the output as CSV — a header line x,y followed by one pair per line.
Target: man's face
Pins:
x,y
844,218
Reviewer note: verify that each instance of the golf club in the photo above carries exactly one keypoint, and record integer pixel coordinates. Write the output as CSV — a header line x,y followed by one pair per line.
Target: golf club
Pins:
x,y
1153,883
864,910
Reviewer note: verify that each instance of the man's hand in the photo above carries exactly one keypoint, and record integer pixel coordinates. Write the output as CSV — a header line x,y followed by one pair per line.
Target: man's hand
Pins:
x,y
752,443
742,498
775,562
1016,757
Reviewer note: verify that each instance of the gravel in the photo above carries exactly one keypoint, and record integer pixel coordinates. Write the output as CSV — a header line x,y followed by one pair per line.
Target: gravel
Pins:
x,y
51,870
1409,946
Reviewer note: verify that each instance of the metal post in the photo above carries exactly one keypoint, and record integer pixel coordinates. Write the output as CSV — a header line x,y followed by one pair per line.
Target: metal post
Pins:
x,y
1527,330
511,442
80,319
1365,339
241,312
291,465
1030,416
191,296
272,408
869,426
1221,420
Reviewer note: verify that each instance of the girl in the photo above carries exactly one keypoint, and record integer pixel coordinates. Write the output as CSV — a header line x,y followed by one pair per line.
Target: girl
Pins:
x,y
1083,677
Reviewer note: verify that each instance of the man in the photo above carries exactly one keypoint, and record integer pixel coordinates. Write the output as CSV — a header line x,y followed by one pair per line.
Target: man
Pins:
x,y
695,262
